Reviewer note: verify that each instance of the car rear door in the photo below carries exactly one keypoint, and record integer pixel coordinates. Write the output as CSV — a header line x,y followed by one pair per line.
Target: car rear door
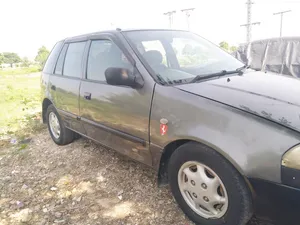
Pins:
x,y
116,116
65,82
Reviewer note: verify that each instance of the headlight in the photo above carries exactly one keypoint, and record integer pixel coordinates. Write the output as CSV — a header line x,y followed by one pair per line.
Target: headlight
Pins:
x,y
291,158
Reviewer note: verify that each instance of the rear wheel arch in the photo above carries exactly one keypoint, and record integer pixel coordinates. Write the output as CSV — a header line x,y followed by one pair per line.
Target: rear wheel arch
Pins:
x,y
45,105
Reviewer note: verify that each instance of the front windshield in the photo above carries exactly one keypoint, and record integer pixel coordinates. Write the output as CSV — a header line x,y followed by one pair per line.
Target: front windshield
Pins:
x,y
180,55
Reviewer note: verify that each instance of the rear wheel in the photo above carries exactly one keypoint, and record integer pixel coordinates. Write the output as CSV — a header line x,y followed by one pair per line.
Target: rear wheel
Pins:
x,y
207,187
59,133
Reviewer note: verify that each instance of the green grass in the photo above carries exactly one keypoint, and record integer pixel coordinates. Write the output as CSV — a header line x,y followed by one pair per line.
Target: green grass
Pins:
x,y
20,105
19,71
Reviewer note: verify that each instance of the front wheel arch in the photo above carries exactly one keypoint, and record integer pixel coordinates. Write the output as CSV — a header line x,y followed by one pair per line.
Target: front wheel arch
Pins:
x,y
170,148
241,196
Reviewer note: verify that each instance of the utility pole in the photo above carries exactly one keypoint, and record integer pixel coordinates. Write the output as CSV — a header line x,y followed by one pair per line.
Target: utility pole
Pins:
x,y
249,23
170,15
249,30
281,14
188,14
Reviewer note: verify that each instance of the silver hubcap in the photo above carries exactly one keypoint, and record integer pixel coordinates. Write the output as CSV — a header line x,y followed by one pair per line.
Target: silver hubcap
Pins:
x,y
54,125
203,190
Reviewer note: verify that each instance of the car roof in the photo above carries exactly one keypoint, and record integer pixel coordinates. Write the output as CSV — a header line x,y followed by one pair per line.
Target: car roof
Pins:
x,y
118,30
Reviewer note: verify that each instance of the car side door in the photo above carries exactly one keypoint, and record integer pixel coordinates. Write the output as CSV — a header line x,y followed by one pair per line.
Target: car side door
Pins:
x,y
116,116
64,83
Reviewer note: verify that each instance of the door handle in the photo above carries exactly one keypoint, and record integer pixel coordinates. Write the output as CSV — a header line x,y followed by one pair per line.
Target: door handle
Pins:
x,y
87,95
53,87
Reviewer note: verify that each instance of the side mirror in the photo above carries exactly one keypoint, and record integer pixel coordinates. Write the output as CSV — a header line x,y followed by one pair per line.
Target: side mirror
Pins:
x,y
123,76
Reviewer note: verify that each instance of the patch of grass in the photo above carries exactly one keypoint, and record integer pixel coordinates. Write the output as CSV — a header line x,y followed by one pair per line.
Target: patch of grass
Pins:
x,y
20,107
19,71
22,146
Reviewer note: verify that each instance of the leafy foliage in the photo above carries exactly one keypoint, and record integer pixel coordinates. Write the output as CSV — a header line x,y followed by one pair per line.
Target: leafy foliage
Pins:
x,y
20,105
42,56
233,48
25,62
224,45
11,58
227,47
192,56
1,58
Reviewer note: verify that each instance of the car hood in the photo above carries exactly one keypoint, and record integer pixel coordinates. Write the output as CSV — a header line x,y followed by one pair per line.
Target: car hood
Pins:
x,y
274,97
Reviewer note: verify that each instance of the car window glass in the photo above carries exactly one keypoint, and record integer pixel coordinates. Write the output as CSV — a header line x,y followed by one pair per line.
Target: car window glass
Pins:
x,y
73,61
60,61
155,46
190,53
102,55
49,66
195,55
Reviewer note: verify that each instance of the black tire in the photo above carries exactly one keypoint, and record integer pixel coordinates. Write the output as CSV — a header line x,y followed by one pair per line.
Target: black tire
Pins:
x,y
66,136
240,206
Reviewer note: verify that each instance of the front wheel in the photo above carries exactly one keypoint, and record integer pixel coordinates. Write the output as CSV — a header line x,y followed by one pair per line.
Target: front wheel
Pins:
x,y
59,133
207,187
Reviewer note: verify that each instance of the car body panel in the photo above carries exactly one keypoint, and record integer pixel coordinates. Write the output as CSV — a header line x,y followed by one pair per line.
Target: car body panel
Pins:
x,y
65,99
273,97
44,82
120,109
252,144
118,116
238,116
276,201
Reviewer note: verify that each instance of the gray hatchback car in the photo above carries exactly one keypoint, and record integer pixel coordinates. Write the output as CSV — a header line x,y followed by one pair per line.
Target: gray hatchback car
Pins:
x,y
215,130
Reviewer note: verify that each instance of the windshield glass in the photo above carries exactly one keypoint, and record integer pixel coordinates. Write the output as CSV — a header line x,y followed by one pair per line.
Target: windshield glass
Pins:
x,y
180,55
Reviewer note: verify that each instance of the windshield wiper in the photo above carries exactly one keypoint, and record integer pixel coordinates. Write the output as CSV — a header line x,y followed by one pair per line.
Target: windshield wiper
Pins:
x,y
218,74
240,71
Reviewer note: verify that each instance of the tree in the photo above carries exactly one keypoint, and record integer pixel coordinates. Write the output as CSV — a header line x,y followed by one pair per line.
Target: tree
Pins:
x,y
1,58
224,45
25,62
11,58
42,56
233,48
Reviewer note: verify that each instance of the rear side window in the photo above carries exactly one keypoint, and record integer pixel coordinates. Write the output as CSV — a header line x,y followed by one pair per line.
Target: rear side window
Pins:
x,y
73,59
50,64
60,61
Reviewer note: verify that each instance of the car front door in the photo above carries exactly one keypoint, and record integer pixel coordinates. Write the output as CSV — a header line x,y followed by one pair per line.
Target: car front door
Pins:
x,y
65,83
116,116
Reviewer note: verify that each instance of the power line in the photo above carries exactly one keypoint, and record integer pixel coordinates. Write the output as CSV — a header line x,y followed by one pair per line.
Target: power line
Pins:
x,y
281,18
249,30
170,15
188,14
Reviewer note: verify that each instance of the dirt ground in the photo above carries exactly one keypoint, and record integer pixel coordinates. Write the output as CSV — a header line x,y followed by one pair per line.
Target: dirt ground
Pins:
x,y
81,183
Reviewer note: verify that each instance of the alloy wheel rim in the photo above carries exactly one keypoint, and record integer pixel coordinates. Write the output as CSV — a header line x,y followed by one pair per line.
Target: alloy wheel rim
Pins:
x,y
203,190
54,125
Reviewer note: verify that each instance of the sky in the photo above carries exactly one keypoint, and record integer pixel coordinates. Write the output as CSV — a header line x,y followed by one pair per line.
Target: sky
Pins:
x,y
26,25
